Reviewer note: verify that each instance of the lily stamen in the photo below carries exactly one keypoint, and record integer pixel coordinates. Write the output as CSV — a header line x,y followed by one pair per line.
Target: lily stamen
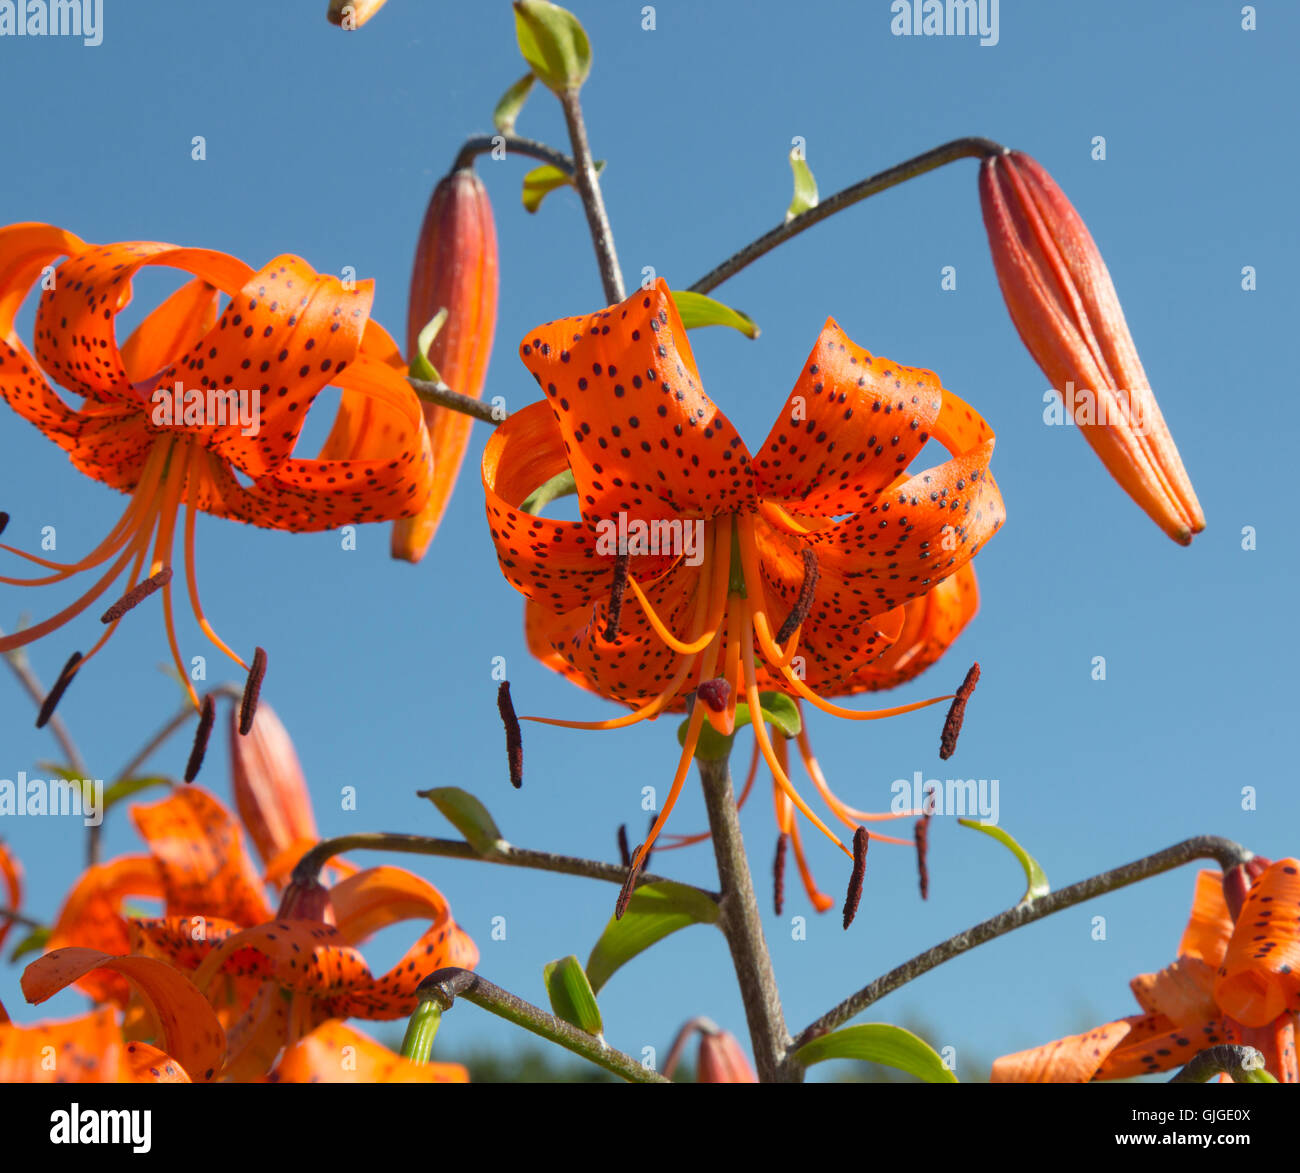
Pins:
x,y
617,588
803,604
957,713
861,840
137,595
55,694
207,715
252,690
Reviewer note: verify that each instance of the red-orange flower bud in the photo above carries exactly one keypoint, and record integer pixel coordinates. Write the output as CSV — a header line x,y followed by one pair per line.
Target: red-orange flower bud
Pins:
x,y
1237,881
270,790
306,900
1064,305
456,270
722,1060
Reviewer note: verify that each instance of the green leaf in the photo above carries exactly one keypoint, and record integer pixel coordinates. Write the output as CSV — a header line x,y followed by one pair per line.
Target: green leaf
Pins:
x,y
512,101
419,364
553,43
1034,874
698,310
879,1042
653,912
469,816
34,942
572,997
541,181
805,186
777,708
562,484
129,786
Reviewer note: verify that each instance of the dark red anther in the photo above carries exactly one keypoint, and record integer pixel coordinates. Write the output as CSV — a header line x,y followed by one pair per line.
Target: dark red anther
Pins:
x,y
861,840
137,595
207,715
715,693
629,884
514,735
803,604
921,832
778,872
252,690
55,694
4,521
617,589
957,713
624,853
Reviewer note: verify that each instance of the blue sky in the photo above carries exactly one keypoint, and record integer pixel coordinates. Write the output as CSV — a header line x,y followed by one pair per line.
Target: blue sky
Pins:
x,y
327,145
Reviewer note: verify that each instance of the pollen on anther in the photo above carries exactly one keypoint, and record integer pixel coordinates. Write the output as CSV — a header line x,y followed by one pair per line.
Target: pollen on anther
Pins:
x,y
854,895
207,715
957,713
56,693
617,588
252,690
778,872
137,595
514,736
803,604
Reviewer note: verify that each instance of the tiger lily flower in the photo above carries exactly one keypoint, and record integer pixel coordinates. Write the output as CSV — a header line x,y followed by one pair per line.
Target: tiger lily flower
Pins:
x,y
193,398
1065,308
790,569
1233,982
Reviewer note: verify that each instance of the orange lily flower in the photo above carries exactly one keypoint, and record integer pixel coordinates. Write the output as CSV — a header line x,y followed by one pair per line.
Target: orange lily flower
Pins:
x,y
286,332
1066,311
788,570
335,1053
1233,982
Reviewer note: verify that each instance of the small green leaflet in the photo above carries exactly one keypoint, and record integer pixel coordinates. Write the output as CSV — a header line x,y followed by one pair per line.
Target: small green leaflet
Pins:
x,y
1034,874
653,912
879,1042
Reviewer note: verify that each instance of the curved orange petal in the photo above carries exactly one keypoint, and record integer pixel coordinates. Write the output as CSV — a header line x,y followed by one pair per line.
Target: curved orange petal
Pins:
x,y
1275,1041
173,327
643,437
191,1033
335,1053
852,423
201,857
91,917
1157,1046
255,1039
1070,1060
269,786
79,1050
1260,976
1209,927
1183,992
307,957
145,1063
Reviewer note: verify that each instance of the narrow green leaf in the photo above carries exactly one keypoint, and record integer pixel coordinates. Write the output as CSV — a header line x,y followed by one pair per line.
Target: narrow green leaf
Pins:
x,y
653,912
131,786
541,181
805,186
1034,874
469,816
572,997
879,1042
553,43
698,310
34,942
419,364
512,101
562,484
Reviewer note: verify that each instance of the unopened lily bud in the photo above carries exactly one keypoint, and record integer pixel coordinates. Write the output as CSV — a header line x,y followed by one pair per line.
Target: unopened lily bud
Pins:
x,y
350,15
722,1060
269,788
1237,881
1064,306
455,270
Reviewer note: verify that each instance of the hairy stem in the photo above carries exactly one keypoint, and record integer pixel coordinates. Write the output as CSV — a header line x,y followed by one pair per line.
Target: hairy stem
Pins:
x,y
444,986
584,175
742,925
483,144
962,148
1224,851
309,867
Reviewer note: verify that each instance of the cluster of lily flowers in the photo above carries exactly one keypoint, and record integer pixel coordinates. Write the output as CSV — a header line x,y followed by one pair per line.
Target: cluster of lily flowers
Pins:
x,y
830,569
